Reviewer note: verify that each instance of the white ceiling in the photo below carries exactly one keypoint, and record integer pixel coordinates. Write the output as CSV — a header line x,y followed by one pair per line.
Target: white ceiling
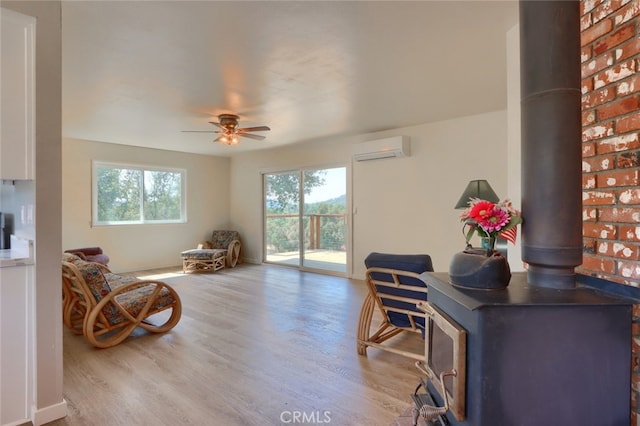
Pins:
x,y
138,73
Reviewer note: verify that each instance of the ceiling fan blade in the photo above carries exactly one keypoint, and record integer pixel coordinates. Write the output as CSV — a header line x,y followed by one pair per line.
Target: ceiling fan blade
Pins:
x,y
216,124
250,136
199,131
253,129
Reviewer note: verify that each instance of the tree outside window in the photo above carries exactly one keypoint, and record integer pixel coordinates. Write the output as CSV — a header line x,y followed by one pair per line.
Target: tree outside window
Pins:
x,y
125,194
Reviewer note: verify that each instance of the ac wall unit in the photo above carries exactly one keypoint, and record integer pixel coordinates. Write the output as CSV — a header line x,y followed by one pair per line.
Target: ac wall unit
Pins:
x,y
393,147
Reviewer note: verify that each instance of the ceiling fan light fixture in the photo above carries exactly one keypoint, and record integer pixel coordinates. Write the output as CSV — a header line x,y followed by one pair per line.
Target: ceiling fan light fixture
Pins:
x,y
230,132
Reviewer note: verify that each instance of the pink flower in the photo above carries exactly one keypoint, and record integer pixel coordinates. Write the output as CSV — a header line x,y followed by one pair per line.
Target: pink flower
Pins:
x,y
494,220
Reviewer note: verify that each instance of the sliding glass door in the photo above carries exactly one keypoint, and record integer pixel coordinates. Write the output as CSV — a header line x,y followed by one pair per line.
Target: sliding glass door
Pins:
x,y
306,219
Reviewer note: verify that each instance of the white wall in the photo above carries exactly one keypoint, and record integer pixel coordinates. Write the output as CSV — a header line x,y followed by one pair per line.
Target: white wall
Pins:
x,y
400,205
138,247
45,387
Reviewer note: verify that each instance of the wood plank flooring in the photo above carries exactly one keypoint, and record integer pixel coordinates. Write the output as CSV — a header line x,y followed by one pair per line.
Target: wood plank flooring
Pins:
x,y
256,345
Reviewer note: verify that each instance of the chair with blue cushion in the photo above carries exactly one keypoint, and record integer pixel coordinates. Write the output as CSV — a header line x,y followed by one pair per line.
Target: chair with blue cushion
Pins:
x,y
394,290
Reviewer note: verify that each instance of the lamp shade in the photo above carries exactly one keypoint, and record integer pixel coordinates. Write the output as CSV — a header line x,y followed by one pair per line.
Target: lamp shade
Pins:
x,y
477,189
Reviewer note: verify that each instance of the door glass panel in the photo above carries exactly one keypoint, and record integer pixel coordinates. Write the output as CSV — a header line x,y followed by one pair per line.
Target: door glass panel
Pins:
x,y
324,219
282,218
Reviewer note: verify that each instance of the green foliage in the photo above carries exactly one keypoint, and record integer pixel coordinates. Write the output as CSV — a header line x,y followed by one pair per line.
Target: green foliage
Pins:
x,y
282,198
282,190
118,194
134,195
162,193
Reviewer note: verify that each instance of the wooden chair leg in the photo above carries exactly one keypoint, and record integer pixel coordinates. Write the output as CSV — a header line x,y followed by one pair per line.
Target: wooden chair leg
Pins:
x,y
364,324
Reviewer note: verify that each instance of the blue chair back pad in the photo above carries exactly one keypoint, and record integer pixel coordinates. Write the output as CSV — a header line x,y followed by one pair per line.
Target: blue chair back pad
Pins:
x,y
416,263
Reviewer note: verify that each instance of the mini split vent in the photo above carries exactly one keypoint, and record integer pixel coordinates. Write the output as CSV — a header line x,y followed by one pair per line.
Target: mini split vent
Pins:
x,y
393,147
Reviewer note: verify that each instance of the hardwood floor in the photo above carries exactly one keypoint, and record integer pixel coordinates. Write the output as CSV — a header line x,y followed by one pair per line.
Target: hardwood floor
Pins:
x,y
257,344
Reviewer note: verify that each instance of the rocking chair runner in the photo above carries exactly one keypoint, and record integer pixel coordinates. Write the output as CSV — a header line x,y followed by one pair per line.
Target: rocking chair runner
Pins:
x,y
394,290
106,308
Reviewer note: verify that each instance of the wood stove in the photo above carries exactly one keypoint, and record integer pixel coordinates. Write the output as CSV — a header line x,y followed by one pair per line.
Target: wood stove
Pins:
x,y
538,356
547,350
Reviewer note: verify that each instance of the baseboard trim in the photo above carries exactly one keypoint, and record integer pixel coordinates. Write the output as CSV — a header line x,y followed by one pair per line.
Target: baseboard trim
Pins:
x,y
50,413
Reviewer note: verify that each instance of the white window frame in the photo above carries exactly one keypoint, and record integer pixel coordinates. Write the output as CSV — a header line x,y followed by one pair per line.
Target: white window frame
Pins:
x,y
143,168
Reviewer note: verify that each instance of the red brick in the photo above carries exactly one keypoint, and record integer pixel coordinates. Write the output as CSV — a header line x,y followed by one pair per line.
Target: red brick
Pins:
x,y
589,214
618,108
585,54
587,86
605,9
596,65
599,163
628,123
588,149
595,31
589,246
627,13
599,97
588,5
585,22
598,198
618,178
618,250
618,143
619,214
589,181
613,74
614,39
599,264
588,118
629,196
628,86
629,269
599,230
628,159
630,233
599,131
628,50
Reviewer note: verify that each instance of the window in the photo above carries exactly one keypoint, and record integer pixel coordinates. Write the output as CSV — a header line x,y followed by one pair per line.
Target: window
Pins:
x,y
129,194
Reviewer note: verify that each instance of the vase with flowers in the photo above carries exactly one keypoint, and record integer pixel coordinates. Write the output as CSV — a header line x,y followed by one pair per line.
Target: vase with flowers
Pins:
x,y
485,268
489,220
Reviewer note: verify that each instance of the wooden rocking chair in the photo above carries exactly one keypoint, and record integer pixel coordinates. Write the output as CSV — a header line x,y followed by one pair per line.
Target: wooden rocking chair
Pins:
x,y
106,308
394,290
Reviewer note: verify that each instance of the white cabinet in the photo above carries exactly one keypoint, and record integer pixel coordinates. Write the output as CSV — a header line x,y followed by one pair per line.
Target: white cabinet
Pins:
x,y
16,343
17,91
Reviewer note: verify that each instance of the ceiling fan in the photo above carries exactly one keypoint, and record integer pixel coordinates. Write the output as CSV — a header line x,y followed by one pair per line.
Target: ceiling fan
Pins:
x,y
230,133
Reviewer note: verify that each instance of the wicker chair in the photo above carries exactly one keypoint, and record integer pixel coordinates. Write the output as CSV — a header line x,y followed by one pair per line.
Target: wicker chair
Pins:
x,y
223,250
106,308
394,290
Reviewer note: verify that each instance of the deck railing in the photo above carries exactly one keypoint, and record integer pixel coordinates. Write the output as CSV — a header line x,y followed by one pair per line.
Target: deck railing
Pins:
x,y
315,228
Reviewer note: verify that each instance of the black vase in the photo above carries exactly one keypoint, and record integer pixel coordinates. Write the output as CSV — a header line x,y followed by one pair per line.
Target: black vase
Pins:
x,y
485,269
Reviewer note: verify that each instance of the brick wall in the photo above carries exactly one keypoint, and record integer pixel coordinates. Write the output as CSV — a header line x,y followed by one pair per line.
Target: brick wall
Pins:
x,y
611,150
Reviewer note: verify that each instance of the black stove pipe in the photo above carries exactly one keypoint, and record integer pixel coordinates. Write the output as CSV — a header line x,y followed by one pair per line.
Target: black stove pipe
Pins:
x,y
551,141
